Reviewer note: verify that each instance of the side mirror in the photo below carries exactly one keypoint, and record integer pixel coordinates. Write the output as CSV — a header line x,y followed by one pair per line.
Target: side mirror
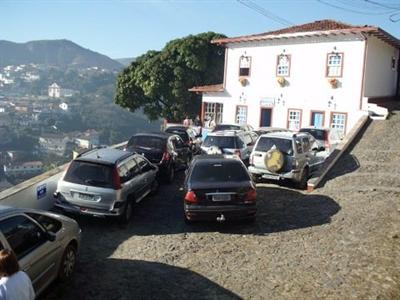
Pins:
x,y
50,236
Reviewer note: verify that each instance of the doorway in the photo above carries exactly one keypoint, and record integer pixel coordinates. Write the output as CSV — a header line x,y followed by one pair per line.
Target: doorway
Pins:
x,y
266,117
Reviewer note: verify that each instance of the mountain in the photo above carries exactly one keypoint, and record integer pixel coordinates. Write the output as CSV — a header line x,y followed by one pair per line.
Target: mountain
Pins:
x,y
59,53
125,61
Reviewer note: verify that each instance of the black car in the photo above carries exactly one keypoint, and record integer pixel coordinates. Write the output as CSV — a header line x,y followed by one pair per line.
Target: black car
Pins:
x,y
188,136
219,188
165,150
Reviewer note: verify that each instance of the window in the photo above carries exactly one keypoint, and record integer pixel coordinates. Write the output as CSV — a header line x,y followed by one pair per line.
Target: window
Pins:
x,y
334,65
91,174
299,147
241,115
178,143
50,224
128,170
22,234
141,162
213,111
244,65
393,64
283,65
294,119
266,143
338,121
223,171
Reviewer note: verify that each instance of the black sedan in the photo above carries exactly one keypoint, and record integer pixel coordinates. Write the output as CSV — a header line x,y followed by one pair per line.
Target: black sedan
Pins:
x,y
165,150
219,188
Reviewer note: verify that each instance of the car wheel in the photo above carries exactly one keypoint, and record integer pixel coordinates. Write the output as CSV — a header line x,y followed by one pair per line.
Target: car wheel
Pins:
x,y
67,263
127,214
154,187
171,174
302,184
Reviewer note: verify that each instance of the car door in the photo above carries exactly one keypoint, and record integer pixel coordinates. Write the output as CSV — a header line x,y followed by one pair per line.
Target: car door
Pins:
x,y
131,180
181,150
36,255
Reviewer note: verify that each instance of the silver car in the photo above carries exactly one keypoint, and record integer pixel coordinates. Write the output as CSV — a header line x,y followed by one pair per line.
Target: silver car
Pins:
x,y
46,244
106,182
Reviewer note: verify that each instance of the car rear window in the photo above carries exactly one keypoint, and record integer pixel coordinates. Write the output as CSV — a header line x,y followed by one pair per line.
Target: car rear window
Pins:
x,y
147,142
229,142
266,143
219,172
226,127
91,174
183,134
318,134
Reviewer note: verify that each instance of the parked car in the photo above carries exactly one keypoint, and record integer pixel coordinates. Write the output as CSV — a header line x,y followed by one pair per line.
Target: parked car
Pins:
x,y
106,182
221,127
46,244
285,155
167,151
189,137
327,138
219,188
235,142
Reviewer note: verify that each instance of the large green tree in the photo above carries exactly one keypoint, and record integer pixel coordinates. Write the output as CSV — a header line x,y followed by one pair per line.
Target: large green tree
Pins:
x,y
158,81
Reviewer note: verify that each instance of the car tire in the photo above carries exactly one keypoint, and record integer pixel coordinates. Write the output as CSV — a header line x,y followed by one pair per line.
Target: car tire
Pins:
x,y
127,214
302,184
68,262
154,187
171,174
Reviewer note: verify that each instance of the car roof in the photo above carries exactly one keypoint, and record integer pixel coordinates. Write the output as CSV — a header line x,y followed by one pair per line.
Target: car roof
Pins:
x,y
215,158
316,128
5,210
176,127
285,134
226,133
107,155
161,134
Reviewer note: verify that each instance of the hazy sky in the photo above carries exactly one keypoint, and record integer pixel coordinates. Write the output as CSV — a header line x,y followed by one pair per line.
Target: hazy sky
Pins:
x,y
130,28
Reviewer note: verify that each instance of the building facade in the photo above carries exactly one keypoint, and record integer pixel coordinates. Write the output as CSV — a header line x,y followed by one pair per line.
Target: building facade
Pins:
x,y
318,74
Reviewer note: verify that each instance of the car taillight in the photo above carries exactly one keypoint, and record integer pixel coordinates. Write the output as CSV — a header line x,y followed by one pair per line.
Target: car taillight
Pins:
x,y
116,179
191,197
166,156
251,196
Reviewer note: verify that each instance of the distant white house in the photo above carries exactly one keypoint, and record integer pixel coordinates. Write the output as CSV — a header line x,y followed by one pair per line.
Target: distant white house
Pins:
x,y
63,106
54,143
87,140
322,73
54,91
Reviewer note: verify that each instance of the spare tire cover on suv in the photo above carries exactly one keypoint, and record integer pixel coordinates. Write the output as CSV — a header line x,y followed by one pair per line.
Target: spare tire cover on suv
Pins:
x,y
274,160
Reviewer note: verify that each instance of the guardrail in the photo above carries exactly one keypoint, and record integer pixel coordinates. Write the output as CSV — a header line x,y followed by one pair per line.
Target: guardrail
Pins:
x,y
37,192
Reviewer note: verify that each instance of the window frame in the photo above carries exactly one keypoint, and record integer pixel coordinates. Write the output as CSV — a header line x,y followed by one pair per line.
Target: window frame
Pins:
x,y
237,111
317,111
327,66
288,115
250,61
345,121
216,111
289,56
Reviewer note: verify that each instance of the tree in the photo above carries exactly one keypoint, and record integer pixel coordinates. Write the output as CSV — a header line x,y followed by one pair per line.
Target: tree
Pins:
x,y
158,81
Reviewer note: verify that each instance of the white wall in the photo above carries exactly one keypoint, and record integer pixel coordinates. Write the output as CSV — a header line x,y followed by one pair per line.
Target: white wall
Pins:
x,y
308,87
380,79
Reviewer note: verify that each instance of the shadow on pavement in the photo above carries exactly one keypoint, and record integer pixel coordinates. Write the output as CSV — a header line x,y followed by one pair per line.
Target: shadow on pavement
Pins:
x,y
136,279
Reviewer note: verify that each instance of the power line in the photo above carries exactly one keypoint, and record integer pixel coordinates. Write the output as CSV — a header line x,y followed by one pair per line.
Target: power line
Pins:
x,y
253,6
360,4
353,10
382,5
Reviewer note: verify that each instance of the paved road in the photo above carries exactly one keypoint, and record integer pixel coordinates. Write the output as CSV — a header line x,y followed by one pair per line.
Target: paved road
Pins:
x,y
341,241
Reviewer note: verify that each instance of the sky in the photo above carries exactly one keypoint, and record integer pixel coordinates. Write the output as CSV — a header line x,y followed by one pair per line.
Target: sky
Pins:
x,y
122,29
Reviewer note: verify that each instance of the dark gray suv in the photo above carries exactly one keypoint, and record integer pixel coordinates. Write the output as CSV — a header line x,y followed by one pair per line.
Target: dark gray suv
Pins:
x,y
106,182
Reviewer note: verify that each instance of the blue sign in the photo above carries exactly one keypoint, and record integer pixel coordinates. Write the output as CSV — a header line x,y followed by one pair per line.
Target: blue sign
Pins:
x,y
41,191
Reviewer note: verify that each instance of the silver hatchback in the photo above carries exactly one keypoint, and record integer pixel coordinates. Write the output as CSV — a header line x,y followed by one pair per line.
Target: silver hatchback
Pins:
x,y
46,244
106,182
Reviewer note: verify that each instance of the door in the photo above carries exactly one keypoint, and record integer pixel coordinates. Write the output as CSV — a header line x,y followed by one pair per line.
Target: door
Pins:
x,y
36,255
266,117
182,151
317,119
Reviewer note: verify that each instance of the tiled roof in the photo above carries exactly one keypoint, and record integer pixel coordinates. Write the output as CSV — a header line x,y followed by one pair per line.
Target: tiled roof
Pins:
x,y
208,88
317,28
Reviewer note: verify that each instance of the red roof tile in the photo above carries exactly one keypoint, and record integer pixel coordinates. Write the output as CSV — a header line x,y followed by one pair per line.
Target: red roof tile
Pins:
x,y
208,88
317,28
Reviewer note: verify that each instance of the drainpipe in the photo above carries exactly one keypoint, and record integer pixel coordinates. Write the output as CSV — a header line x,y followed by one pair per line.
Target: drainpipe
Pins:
x,y
398,76
363,70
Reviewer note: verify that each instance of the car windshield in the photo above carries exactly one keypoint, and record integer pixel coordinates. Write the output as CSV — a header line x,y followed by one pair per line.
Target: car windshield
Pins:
x,y
147,142
228,142
183,134
220,127
318,134
91,174
266,143
223,171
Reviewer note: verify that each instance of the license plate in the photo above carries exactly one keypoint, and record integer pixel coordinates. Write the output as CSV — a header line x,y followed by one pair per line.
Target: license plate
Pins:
x,y
85,197
221,197
269,176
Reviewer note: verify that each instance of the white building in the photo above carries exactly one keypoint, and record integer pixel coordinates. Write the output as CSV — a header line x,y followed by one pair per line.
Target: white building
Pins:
x,y
87,140
322,73
54,91
63,106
